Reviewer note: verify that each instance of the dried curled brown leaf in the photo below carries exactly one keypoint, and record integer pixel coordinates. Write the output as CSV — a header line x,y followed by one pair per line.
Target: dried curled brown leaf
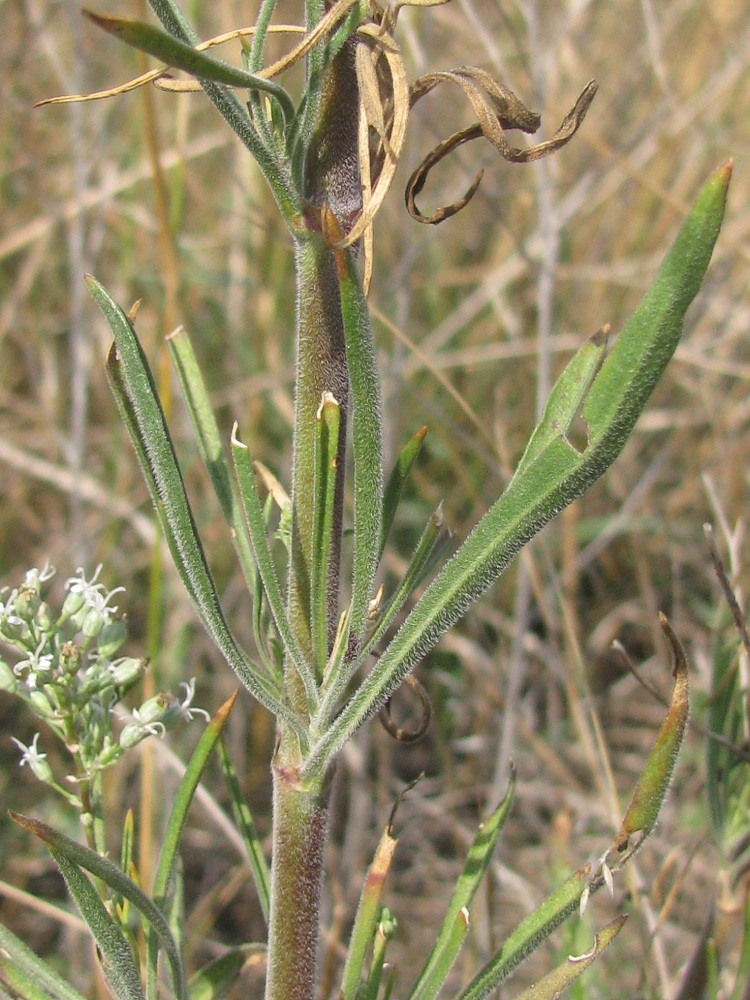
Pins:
x,y
498,110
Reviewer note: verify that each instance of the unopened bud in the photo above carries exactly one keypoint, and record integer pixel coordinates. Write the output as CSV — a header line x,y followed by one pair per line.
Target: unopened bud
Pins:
x,y
127,671
41,702
70,657
111,638
155,708
72,604
92,624
8,680
27,602
43,618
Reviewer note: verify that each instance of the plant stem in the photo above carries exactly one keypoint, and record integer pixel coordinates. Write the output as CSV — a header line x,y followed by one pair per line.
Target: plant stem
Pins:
x,y
300,821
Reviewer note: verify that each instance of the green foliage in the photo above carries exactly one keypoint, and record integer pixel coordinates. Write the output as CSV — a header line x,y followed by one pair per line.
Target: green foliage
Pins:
x,y
322,687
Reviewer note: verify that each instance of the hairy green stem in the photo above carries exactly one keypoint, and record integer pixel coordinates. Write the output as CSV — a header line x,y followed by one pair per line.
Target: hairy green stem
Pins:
x,y
300,823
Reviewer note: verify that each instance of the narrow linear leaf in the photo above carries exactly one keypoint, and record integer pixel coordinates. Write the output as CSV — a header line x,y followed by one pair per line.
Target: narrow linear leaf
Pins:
x,y
168,854
530,933
116,957
209,443
217,978
175,906
327,424
365,922
180,55
367,426
16,957
655,778
126,861
448,941
385,932
558,475
256,523
429,538
567,396
235,115
15,985
453,939
423,553
113,877
138,402
396,481
556,982
244,823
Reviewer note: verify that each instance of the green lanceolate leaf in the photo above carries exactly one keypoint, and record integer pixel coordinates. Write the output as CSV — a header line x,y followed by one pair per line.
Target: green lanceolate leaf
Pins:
x,y
115,879
367,431
168,855
184,796
17,960
216,979
567,397
256,524
340,678
396,481
138,403
453,937
180,55
449,939
654,781
116,957
385,931
244,822
327,427
530,933
421,559
558,474
366,921
208,439
556,982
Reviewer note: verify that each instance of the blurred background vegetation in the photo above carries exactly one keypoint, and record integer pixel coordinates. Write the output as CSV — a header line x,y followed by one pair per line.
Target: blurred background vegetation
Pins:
x,y
473,318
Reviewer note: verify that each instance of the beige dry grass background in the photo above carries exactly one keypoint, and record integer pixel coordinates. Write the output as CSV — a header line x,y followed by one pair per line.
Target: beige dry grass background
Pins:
x,y
477,316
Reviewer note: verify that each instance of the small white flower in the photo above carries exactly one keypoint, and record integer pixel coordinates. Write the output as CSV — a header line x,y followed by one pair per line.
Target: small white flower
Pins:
x,y
91,594
34,577
12,625
37,761
29,754
186,711
80,585
36,662
138,729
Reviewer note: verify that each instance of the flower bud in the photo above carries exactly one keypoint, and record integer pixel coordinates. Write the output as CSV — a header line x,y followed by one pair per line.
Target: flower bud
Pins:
x,y
93,622
43,618
8,680
27,602
70,657
42,770
111,637
155,708
125,672
13,628
41,703
72,604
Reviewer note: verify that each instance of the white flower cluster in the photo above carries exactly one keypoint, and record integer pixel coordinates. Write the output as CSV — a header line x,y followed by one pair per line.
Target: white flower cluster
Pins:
x,y
65,669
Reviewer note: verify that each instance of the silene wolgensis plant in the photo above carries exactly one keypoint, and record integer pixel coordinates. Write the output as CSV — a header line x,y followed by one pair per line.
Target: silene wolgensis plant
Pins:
x,y
331,647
